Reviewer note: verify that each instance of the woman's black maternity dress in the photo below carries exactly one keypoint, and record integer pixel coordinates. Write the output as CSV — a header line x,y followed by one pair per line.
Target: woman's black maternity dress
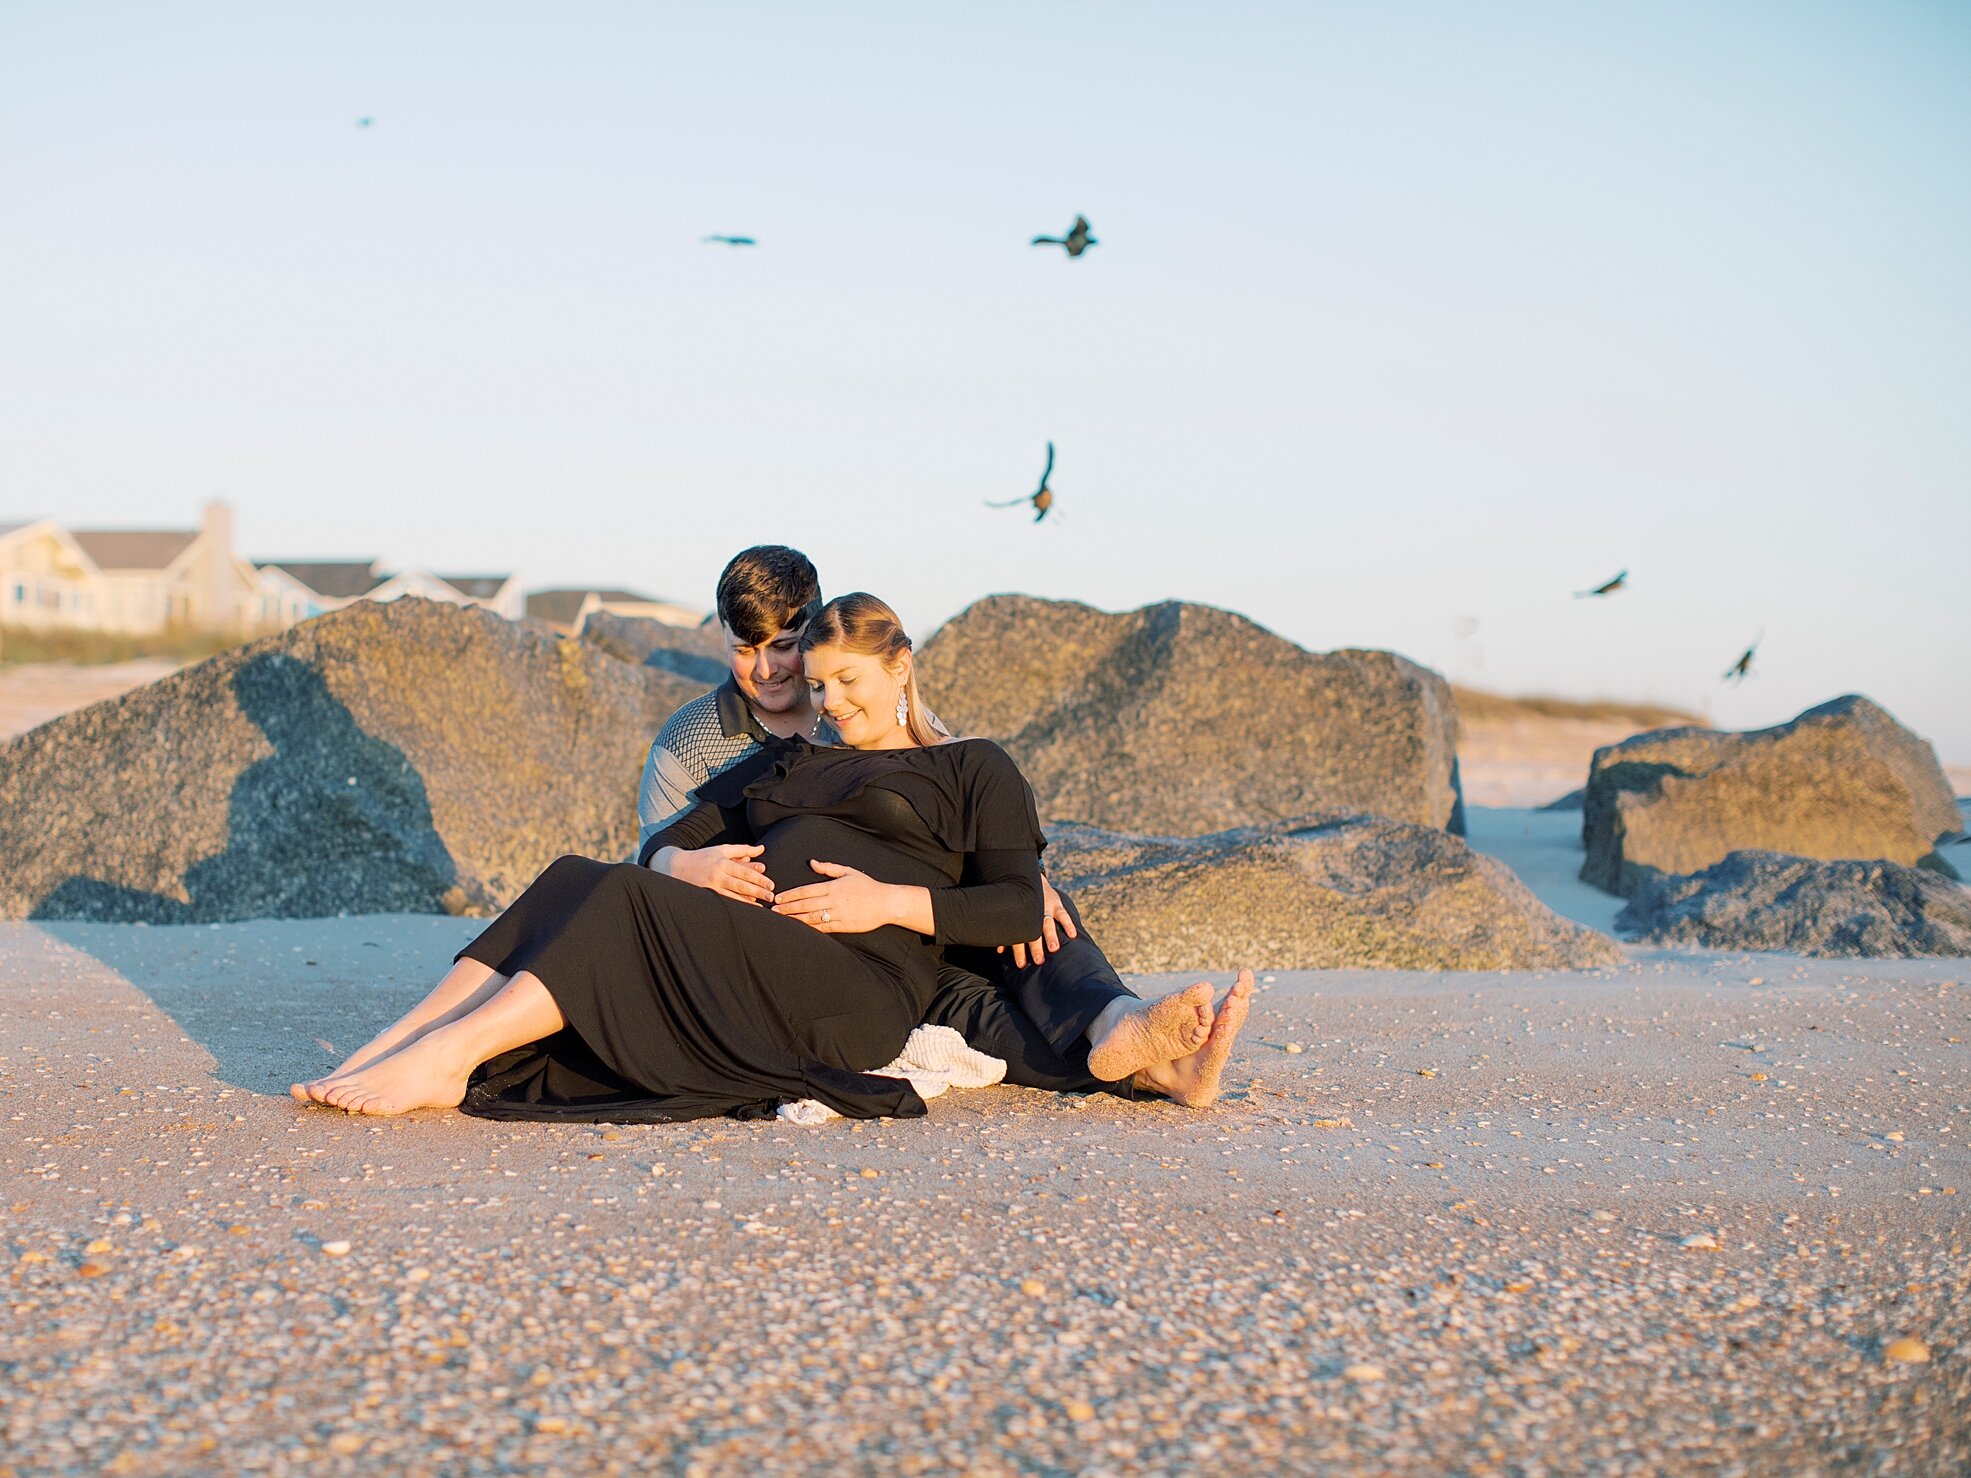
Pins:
x,y
682,1003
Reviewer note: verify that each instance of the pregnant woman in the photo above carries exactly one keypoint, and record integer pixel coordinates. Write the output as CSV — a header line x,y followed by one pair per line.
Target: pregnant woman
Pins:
x,y
611,992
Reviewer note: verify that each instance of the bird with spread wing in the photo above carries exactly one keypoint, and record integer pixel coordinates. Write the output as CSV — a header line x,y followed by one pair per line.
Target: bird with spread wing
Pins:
x,y
1607,587
1042,497
1075,242
1742,668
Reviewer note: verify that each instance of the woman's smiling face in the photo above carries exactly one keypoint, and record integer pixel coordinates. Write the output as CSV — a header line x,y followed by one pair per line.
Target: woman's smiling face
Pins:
x,y
858,695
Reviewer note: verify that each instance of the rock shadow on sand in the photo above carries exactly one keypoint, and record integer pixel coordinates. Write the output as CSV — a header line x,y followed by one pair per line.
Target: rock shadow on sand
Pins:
x,y
333,821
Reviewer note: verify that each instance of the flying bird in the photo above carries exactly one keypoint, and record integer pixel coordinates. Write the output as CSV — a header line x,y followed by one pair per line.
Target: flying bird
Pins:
x,y
1042,497
1742,668
1607,587
1076,241
364,122
733,240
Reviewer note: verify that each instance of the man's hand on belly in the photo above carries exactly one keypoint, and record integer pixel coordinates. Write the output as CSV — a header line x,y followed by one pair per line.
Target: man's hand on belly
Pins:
x,y
728,869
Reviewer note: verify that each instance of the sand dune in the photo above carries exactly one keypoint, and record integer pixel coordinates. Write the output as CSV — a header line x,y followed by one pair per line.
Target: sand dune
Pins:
x,y
1531,751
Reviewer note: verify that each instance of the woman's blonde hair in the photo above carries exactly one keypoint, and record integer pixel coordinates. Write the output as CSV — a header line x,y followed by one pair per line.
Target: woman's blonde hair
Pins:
x,y
860,623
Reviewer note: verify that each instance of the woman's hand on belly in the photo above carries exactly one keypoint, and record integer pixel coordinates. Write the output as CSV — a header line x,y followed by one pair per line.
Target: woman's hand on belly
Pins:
x,y
853,902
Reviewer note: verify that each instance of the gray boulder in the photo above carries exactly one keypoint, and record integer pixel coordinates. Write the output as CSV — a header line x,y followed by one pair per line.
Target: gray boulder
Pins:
x,y
411,757
1322,892
1183,719
1768,901
1841,780
693,652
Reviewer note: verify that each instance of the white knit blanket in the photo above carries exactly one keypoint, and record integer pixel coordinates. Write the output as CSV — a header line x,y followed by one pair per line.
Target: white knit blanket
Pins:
x,y
934,1059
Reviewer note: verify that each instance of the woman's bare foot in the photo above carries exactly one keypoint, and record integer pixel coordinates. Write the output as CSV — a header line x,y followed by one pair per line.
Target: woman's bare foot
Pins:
x,y
421,1075
1193,1080
1152,1032
432,1071
465,986
375,1050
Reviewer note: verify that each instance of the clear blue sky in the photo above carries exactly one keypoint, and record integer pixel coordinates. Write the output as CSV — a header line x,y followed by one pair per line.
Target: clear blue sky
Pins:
x,y
1404,315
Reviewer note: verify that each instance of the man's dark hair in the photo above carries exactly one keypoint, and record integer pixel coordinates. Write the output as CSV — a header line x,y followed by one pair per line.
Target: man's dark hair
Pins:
x,y
766,589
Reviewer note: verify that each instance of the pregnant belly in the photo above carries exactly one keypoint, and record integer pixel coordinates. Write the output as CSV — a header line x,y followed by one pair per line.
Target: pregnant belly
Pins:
x,y
792,844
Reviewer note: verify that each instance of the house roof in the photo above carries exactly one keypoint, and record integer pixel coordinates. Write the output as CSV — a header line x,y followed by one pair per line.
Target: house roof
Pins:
x,y
133,549
565,605
12,528
338,579
560,606
479,587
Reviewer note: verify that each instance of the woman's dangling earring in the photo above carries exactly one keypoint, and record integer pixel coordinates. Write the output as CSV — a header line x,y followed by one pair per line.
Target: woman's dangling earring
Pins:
x,y
903,707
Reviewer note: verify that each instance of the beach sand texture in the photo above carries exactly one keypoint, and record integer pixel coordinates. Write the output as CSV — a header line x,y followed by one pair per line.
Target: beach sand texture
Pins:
x,y
35,692
1668,1216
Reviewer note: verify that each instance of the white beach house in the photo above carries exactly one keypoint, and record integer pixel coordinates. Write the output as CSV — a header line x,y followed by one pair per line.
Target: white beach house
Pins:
x,y
566,610
127,580
295,589
144,581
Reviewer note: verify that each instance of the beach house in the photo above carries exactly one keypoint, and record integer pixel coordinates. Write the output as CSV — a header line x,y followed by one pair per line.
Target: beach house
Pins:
x,y
134,581
566,610
295,589
147,581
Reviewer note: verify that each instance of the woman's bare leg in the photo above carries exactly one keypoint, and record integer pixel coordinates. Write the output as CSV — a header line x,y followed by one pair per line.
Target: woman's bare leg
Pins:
x,y
431,1071
467,985
1193,1081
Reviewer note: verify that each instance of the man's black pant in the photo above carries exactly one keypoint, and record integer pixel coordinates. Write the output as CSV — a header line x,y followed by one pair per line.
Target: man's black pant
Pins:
x,y
1032,1016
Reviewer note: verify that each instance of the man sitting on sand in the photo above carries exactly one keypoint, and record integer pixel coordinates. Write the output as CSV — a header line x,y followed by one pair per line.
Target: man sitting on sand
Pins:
x,y
1054,1010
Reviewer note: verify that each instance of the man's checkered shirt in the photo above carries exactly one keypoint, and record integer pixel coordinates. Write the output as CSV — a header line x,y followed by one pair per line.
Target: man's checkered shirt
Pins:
x,y
708,735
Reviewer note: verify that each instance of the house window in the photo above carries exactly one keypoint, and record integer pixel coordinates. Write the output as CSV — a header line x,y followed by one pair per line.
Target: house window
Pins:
x,y
20,592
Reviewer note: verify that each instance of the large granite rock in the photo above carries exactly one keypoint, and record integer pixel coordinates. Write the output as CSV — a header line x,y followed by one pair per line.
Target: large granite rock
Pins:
x,y
1766,900
694,652
1182,719
405,757
1841,780
1323,892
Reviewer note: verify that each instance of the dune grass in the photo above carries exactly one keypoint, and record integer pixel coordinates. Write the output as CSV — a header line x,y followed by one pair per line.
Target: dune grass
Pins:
x,y
1476,706
20,645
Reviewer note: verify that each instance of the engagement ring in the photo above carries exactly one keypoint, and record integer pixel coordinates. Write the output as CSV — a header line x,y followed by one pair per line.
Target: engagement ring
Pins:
x,y
824,916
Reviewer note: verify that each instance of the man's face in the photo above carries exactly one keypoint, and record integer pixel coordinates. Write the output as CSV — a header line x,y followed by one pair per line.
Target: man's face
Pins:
x,y
768,673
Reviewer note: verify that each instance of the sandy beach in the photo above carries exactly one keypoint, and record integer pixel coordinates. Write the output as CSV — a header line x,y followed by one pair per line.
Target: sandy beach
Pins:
x,y
1666,1217
1526,759
35,692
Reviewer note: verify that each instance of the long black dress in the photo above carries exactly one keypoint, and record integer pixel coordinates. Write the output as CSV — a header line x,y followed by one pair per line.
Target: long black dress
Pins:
x,y
683,1004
